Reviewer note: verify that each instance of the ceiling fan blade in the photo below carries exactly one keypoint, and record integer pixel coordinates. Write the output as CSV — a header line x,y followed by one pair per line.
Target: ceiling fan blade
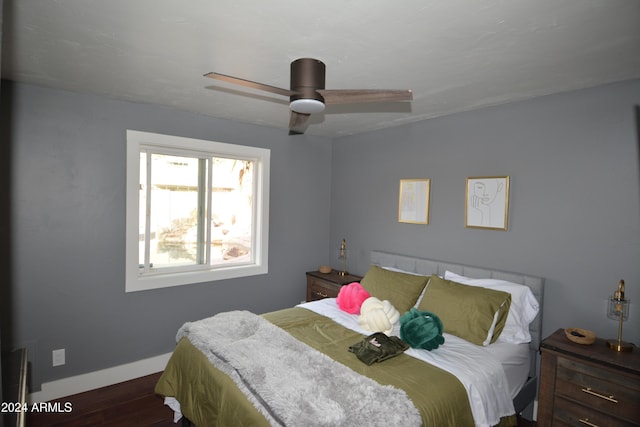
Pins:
x,y
249,83
354,96
298,123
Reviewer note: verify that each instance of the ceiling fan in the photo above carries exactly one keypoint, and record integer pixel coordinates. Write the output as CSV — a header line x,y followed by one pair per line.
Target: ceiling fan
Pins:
x,y
307,94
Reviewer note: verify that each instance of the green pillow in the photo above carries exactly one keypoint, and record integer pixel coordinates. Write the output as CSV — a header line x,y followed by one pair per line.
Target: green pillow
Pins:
x,y
400,289
473,313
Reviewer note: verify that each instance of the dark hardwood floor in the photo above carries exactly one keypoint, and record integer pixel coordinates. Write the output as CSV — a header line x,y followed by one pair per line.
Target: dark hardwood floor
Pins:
x,y
526,423
131,404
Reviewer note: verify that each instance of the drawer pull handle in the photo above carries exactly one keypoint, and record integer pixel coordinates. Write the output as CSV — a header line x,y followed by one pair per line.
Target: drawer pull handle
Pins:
x,y
610,398
320,294
586,421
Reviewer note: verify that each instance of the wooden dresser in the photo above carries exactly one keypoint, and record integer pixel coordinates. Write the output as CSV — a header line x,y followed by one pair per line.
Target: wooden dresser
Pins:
x,y
327,285
587,385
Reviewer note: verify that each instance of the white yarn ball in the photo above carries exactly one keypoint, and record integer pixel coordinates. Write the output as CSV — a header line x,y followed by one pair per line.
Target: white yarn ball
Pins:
x,y
378,316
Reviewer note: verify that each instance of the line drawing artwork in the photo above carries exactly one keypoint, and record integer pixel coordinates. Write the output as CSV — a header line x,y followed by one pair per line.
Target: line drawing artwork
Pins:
x,y
487,202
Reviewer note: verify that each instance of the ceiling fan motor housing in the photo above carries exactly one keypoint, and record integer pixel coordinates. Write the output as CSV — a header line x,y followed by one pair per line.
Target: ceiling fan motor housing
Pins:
x,y
307,76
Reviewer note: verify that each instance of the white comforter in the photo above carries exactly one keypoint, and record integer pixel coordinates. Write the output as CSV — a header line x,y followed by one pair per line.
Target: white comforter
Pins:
x,y
479,372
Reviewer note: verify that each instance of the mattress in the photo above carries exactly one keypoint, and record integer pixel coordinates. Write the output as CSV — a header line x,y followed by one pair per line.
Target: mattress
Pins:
x,y
515,361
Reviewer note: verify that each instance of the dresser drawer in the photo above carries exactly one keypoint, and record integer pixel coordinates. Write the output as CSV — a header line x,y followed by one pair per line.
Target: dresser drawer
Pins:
x,y
606,391
567,413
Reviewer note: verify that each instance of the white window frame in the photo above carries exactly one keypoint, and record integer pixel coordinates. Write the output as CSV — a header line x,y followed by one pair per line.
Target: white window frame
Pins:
x,y
134,281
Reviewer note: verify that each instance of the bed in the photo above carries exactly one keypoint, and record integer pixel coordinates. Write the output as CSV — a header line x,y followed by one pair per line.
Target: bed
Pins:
x,y
221,375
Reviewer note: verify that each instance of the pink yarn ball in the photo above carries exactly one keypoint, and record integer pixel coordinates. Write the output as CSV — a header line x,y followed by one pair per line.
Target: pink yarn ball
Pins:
x,y
351,297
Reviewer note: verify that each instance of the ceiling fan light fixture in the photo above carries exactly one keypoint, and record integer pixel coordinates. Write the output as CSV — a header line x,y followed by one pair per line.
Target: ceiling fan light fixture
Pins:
x,y
307,106
308,95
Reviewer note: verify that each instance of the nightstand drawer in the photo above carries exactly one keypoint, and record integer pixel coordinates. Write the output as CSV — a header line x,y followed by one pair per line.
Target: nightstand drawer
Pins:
x,y
318,289
567,413
327,285
604,390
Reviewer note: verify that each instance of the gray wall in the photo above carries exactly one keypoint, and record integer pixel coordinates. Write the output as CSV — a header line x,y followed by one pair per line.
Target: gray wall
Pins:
x,y
574,218
574,201
68,224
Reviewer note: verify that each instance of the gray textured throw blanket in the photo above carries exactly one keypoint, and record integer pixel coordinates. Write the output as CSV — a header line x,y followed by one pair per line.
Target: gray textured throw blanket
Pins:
x,y
290,383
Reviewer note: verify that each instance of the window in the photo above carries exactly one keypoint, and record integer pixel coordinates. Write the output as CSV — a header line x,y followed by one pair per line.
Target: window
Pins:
x,y
197,211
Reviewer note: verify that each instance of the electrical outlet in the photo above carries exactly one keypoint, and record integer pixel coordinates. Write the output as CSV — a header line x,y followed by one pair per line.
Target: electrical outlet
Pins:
x,y
57,357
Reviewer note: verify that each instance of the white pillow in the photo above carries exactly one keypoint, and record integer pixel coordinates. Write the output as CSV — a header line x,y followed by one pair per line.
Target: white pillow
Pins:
x,y
524,306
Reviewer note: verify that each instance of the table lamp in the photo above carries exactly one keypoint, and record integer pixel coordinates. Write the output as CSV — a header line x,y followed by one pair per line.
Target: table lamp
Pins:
x,y
619,310
343,256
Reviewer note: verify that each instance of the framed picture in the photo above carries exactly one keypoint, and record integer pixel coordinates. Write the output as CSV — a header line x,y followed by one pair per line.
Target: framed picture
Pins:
x,y
413,204
487,202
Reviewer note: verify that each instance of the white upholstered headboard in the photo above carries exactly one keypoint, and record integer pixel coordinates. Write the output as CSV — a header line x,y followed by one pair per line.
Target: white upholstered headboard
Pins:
x,y
428,267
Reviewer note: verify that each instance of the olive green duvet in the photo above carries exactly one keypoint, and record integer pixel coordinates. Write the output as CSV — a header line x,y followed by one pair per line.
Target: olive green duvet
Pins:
x,y
208,397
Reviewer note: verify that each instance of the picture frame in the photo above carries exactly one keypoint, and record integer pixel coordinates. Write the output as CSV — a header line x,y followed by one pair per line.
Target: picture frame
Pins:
x,y
413,201
487,202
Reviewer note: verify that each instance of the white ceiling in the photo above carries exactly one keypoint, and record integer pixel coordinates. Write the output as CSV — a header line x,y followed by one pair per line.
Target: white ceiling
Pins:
x,y
455,55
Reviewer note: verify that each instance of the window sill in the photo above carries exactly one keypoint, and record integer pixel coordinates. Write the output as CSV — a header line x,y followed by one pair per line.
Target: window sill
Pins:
x,y
143,283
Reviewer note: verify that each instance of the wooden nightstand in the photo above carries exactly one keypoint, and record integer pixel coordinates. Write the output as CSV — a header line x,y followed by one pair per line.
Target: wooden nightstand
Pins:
x,y
587,385
327,285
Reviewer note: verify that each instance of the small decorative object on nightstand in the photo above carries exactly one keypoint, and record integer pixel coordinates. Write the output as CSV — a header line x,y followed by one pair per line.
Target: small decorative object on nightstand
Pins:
x,y
325,269
587,384
327,285
581,336
619,310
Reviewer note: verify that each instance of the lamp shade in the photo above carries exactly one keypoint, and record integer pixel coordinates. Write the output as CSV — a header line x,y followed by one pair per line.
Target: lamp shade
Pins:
x,y
618,309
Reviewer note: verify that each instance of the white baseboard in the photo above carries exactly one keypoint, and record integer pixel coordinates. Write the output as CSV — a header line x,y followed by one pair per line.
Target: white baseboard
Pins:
x,y
92,380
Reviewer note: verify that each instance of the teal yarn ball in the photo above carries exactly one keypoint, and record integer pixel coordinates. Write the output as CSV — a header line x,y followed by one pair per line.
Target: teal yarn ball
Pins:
x,y
421,329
